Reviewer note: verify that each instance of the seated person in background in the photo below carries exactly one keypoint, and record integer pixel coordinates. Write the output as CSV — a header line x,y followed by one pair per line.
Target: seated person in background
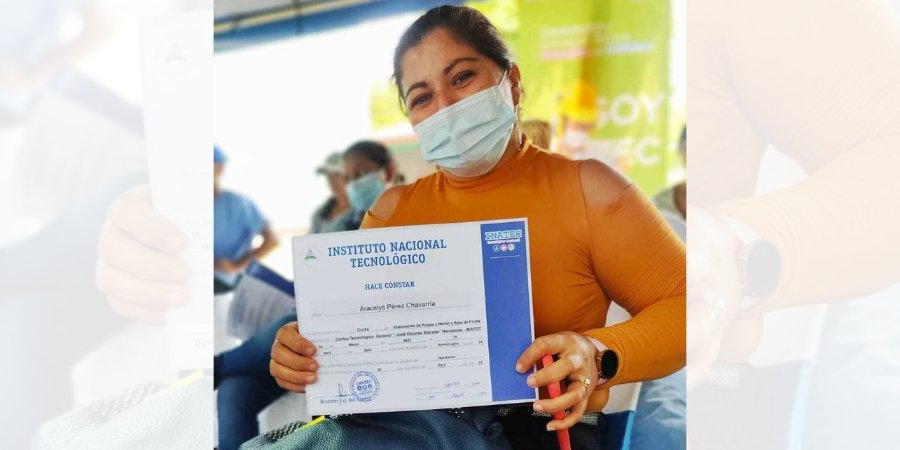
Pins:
x,y
369,170
237,222
242,380
334,214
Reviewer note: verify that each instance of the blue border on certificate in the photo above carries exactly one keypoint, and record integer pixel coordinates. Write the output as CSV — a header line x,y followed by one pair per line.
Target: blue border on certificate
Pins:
x,y
504,252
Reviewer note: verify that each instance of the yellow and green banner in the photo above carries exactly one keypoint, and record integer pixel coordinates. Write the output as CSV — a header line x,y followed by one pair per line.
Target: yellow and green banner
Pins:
x,y
603,63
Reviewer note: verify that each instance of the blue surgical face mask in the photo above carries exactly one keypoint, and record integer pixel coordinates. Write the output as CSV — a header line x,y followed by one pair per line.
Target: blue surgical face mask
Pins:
x,y
363,191
469,137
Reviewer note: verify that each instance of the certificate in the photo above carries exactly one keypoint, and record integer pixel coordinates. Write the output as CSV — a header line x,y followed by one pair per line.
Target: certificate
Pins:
x,y
412,318
260,298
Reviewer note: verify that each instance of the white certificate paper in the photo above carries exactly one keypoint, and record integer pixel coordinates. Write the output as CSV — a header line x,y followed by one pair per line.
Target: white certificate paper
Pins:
x,y
177,62
412,318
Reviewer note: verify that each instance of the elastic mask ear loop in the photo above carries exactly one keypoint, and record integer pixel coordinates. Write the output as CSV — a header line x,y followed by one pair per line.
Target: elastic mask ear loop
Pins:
x,y
518,109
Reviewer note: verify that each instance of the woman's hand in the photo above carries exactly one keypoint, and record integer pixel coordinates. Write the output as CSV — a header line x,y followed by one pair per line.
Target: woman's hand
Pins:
x,y
576,362
714,291
292,362
139,268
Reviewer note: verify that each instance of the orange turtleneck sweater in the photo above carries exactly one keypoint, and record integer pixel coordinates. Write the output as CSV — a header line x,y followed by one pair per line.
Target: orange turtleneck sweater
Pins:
x,y
594,239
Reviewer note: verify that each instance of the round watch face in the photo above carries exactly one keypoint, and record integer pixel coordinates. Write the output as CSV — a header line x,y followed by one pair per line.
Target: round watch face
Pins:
x,y
609,364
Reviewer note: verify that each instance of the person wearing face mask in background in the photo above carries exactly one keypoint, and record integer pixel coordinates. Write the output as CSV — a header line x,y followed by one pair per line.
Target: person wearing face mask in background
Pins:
x,y
369,170
462,92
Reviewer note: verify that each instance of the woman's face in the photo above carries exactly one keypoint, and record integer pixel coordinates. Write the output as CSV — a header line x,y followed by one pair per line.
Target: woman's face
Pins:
x,y
441,71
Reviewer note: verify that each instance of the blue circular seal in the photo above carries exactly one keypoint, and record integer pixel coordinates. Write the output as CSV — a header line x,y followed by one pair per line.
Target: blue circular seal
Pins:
x,y
364,386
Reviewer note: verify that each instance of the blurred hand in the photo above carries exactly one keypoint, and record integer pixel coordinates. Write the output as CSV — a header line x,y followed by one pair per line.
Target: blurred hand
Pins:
x,y
292,364
138,267
231,267
714,290
576,361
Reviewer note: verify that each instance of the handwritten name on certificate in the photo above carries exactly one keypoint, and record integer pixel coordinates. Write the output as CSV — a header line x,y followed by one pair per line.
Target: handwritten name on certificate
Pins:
x,y
412,318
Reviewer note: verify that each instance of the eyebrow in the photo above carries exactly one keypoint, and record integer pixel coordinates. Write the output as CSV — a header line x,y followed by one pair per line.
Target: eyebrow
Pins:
x,y
422,84
457,61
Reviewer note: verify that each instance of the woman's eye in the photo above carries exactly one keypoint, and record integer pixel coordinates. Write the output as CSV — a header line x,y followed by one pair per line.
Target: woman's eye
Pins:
x,y
420,100
462,77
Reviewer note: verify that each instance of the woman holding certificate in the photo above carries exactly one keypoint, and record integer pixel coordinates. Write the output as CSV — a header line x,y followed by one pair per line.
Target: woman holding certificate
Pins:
x,y
595,239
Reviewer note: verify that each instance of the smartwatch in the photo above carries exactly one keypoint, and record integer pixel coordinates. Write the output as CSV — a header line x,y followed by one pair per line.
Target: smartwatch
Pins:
x,y
758,263
607,364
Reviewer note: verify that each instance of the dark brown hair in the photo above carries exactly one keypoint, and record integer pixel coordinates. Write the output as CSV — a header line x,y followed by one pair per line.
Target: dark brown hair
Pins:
x,y
371,150
465,24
